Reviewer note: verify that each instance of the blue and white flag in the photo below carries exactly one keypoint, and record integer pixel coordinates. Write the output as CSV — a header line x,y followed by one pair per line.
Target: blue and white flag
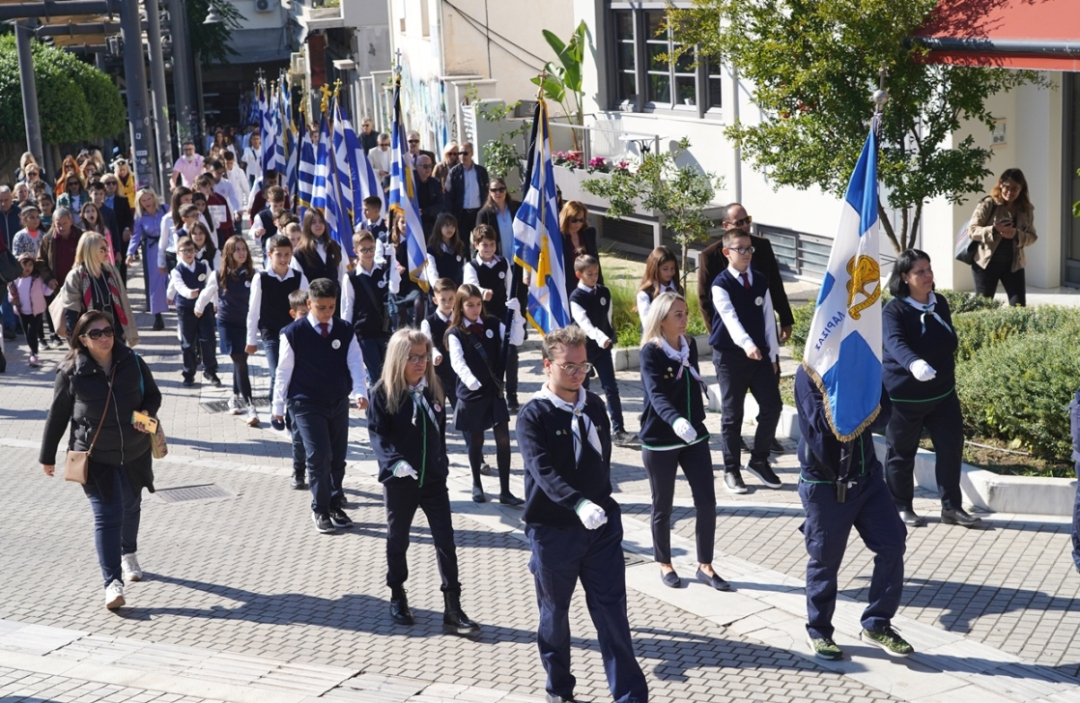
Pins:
x,y
355,175
280,161
403,196
305,173
266,128
325,196
538,245
843,349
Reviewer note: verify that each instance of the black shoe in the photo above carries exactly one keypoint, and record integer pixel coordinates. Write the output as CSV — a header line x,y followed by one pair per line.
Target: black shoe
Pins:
x,y
670,579
43,343
278,425
776,447
455,621
339,518
478,495
622,438
188,382
958,516
715,581
488,470
399,607
733,483
761,470
512,402
911,519
510,499
323,524
299,482
552,698
212,378
159,323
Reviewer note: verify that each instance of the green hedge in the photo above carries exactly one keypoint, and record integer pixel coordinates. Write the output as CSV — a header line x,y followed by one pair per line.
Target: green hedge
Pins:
x,y
625,318
978,330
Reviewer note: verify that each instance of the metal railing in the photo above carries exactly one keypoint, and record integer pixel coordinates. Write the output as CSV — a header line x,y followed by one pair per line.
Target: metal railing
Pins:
x,y
612,144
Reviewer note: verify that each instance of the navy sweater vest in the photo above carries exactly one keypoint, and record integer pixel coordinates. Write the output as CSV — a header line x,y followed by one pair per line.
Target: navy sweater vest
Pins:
x,y
494,279
747,309
369,318
321,373
192,279
449,264
597,305
274,307
314,267
233,300
492,344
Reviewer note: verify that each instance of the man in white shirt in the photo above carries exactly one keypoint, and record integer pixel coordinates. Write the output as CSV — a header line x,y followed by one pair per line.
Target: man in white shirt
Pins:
x,y
238,179
380,157
252,158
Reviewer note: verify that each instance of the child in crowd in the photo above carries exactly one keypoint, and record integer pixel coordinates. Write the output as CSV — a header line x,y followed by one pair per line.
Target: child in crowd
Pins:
x,y
590,307
446,251
318,255
263,225
474,342
746,359
491,274
435,326
293,232
27,295
320,364
47,205
374,223
187,281
28,239
365,292
661,275
205,248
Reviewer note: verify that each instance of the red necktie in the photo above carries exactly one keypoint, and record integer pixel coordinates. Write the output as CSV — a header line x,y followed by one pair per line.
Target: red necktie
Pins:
x,y
745,280
477,329
325,328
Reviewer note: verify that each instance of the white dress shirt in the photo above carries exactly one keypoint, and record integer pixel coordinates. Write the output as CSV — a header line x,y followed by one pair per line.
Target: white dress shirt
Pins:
x,y
239,181
287,361
457,353
225,189
320,248
723,305
644,302
471,277
255,301
348,293
379,160
177,287
582,319
426,329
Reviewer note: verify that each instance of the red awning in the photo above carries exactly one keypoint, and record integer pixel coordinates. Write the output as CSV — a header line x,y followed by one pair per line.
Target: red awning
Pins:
x,y
1034,34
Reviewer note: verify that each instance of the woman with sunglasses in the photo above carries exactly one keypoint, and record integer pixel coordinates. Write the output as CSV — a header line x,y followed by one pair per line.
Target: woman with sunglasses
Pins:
x,y
95,284
99,385
578,238
71,194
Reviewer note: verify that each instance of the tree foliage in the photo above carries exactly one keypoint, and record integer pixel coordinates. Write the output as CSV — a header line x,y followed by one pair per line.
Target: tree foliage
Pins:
x,y
211,41
565,80
76,102
814,65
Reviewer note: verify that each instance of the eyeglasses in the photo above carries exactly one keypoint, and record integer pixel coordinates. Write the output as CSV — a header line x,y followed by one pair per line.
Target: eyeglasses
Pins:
x,y
741,223
99,333
742,250
465,153
576,220
575,369
186,250
367,250
498,190
418,358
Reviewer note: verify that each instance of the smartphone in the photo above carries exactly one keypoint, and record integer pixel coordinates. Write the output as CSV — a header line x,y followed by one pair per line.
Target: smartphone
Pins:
x,y
144,421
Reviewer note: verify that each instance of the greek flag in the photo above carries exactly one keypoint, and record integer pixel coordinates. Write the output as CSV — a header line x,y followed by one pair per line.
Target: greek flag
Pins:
x,y
403,196
843,349
538,245
292,154
305,172
266,127
355,175
280,161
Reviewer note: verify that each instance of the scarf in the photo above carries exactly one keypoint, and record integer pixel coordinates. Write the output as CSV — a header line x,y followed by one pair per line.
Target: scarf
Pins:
x,y
89,286
928,310
582,426
420,401
682,357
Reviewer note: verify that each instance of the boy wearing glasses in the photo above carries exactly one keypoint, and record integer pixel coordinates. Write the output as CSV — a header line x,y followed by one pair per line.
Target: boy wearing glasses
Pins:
x,y
364,302
746,354
573,525
188,280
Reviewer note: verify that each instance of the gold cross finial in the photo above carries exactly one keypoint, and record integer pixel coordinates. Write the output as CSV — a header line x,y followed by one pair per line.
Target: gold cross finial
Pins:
x,y
326,92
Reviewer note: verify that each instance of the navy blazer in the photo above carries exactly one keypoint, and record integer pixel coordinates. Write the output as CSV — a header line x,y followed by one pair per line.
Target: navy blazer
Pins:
x,y
668,399
454,198
394,438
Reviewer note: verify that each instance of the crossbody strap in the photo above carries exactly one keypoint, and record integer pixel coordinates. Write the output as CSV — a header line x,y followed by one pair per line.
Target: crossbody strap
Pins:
x,y
374,299
104,412
483,355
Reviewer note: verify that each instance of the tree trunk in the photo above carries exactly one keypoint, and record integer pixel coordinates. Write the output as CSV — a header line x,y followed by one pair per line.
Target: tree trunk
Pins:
x,y
887,226
914,232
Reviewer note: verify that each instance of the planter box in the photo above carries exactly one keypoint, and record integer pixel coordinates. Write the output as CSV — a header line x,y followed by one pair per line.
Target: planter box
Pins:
x,y
570,183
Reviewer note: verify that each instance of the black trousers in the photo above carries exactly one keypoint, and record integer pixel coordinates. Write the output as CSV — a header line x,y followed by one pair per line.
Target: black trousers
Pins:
x,y
737,374
986,281
32,330
662,468
402,500
197,335
942,419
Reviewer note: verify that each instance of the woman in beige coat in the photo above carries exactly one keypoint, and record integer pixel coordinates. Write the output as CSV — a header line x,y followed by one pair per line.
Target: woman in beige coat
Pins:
x,y
1002,226
95,284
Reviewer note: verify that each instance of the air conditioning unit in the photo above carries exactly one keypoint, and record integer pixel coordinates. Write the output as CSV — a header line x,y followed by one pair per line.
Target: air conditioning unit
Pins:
x,y
265,6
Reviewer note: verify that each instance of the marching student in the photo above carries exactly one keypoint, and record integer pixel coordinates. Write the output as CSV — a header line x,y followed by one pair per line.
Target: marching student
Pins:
x,y
590,307
218,207
673,434
230,291
187,281
434,326
573,524
491,274
407,426
746,356
205,248
319,256
446,251
320,366
474,342
366,291
661,275
373,222
264,222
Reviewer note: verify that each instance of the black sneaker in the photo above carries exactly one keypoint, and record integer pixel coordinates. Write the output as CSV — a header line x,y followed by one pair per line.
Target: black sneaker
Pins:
x,y
776,447
299,482
512,403
761,470
339,518
622,438
188,382
323,524
733,483
212,378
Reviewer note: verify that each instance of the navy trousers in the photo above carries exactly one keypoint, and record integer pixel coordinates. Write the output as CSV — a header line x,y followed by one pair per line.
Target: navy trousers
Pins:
x,y
116,525
561,556
662,468
197,335
374,353
604,366
1076,520
737,374
272,347
869,509
942,418
324,428
402,500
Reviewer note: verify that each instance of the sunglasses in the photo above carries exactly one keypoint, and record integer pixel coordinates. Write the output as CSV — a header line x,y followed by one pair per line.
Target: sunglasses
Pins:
x,y
577,220
98,334
414,141
743,222
454,153
498,190
466,153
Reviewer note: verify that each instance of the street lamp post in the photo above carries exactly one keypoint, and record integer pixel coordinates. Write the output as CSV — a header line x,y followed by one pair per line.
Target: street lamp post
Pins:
x,y
137,104
181,55
157,85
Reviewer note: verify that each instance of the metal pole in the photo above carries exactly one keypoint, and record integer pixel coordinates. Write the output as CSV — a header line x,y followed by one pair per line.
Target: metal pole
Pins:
x,y
181,56
99,63
159,95
138,108
31,117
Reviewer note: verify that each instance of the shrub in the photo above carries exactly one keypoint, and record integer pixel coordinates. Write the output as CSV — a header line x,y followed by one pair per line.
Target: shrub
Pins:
x,y
978,330
625,318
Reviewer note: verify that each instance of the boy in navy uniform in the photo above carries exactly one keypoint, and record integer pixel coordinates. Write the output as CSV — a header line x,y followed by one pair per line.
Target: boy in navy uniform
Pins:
x,y
188,280
590,307
320,361
434,327
573,524
842,485
365,294
746,356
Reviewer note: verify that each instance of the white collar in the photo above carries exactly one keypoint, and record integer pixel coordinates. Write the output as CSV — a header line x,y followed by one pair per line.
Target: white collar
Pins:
x,y
360,268
735,273
584,287
190,267
919,306
289,273
314,322
490,264
444,318
577,410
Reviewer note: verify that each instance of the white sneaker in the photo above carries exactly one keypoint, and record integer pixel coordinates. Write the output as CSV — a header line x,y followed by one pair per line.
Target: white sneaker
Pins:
x,y
33,361
114,595
234,406
129,567
252,417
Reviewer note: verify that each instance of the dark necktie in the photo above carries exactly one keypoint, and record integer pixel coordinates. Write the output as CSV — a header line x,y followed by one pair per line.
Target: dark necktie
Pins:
x,y
745,280
324,327
477,329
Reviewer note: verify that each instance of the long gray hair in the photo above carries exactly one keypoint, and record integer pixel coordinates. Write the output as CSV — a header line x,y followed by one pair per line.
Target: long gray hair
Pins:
x,y
393,373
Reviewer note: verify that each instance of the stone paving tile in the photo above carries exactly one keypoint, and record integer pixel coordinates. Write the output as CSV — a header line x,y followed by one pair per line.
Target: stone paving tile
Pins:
x,y
27,687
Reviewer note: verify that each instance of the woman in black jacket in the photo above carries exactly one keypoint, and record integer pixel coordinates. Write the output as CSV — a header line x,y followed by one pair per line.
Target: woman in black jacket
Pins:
x,y
103,382
578,238
918,371
407,426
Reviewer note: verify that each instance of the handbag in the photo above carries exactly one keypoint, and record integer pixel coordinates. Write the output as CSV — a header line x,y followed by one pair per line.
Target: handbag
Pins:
x,y
56,312
77,463
159,448
966,248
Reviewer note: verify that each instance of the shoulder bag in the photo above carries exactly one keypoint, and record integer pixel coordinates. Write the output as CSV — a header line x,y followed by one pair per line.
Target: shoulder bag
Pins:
x,y
77,464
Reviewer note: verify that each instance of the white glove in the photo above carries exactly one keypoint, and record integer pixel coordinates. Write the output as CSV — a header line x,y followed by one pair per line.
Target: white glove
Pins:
x,y
475,385
403,470
685,430
592,515
922,371
513,304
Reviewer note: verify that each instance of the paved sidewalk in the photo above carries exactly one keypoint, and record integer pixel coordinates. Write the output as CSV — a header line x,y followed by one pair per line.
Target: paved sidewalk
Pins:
x,y
243,598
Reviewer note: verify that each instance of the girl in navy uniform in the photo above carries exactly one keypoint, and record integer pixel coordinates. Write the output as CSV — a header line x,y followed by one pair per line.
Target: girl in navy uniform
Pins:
x,y
230,291
673,434
318,256
189,280
435,326
446,251
474,342
661,275
366,291
407,426
204,246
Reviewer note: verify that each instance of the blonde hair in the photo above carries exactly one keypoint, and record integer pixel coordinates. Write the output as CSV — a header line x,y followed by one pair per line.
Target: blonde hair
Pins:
x,y
397,357
139,212
88,253
658,310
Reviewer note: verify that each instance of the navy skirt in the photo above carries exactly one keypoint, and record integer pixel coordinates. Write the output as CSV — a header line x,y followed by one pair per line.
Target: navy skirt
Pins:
x,y
480,415
232,339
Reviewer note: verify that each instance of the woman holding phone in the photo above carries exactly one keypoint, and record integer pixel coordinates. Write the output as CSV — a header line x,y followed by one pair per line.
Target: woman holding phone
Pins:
x,y
1002,225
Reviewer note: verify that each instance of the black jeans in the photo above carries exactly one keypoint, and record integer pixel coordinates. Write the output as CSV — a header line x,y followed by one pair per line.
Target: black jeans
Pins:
x,y
402,500
662,467
604,366
737,374
32,330
197,335
941,417
986,281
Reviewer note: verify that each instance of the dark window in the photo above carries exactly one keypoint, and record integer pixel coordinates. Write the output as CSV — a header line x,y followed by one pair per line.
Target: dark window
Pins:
x,y
625,57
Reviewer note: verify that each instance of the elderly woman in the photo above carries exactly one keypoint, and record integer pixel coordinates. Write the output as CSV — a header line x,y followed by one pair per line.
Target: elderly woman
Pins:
x,y
450,155
1002,225
95,284
99,386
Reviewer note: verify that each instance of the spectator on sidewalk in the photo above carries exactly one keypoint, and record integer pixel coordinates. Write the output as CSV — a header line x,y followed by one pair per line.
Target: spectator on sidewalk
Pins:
x,y
149,214
56,256
98,387
578,238
380,156
95,284
188,167
1003,226
466,189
